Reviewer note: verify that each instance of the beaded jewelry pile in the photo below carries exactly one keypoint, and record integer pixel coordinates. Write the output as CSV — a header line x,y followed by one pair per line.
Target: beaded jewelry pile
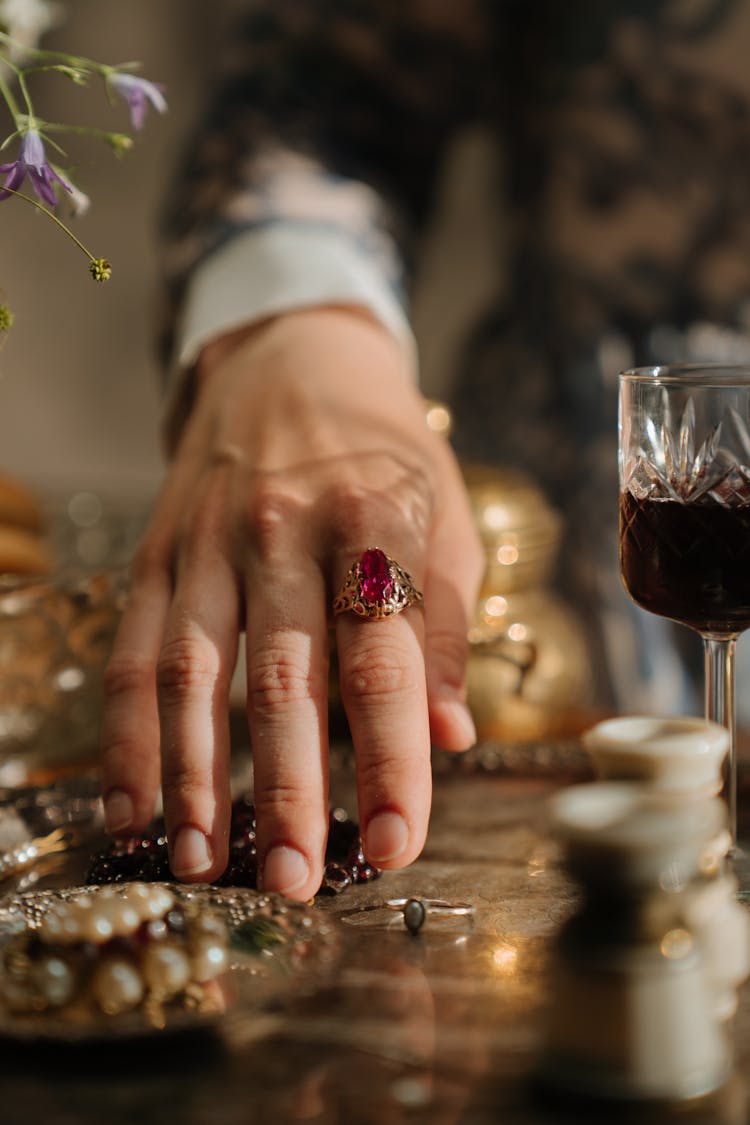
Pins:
x,y
145,857
115,950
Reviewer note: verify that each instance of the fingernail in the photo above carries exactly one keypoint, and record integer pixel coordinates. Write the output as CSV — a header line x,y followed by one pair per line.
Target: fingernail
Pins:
x,y
461,716
386,837
191,854
118,811
285,870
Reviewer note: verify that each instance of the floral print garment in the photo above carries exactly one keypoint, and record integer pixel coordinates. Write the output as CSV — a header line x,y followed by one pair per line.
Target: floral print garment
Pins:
x,y
624,129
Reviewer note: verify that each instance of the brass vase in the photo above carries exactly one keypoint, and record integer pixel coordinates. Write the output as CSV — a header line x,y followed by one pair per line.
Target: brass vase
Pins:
x,y
529,673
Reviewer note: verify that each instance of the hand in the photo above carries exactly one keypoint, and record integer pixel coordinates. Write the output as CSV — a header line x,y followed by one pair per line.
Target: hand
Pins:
x,y
307,444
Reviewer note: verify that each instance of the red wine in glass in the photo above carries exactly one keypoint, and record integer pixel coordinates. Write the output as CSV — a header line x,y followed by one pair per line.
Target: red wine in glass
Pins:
x,y
689,561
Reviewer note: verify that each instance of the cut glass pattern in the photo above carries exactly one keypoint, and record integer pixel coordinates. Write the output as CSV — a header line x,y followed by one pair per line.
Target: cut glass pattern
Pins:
x,y
670,463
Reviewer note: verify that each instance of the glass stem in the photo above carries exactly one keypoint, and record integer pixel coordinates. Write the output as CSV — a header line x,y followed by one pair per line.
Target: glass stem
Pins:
x,y
721,707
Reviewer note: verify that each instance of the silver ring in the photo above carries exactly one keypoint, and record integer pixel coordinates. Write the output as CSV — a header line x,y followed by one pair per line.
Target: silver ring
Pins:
x,y
415,910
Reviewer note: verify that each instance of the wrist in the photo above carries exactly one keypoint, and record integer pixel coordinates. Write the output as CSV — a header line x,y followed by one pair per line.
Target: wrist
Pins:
x,y
301,327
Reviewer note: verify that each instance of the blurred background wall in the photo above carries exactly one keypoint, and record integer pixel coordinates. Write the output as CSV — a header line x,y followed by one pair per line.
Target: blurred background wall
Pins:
x,y
79,378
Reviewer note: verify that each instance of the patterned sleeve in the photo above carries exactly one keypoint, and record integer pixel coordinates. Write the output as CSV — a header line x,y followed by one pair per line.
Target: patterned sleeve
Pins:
x,y
330,126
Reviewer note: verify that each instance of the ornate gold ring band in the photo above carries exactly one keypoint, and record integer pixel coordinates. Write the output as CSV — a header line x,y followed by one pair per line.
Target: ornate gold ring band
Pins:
x,y
376,587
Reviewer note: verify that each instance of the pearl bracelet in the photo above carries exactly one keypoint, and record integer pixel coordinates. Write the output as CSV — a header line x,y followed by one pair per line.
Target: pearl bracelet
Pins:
x,y
115,949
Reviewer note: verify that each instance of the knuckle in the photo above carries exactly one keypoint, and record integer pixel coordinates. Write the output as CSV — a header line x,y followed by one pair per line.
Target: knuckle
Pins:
x,y
382,770
283,800
278,679
187,666
378,671
403,495
127,676
206,515
272,512
149,559
357,510
119,752
449,649
183,780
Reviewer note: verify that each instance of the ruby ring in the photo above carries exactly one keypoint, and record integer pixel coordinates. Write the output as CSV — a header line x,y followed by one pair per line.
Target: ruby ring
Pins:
x,y
376,586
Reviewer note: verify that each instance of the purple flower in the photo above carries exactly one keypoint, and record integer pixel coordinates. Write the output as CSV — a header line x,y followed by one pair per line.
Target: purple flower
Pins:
x,y
137,92
32,162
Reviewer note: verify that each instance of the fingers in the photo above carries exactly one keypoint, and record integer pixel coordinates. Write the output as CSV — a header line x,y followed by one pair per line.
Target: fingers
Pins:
x,y
194,672
287,674
167,685
130,729
383,689
130,736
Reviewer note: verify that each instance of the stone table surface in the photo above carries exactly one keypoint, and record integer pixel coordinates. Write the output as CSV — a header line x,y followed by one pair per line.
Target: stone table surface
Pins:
x,y
443,1027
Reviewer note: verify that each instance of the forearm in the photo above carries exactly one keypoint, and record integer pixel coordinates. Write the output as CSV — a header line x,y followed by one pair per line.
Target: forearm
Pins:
x,y
323,142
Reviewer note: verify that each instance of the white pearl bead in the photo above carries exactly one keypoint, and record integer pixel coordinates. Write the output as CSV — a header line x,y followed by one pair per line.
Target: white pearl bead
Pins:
x,y
160,901
138,891
97,926
165,968
124,916
209,960
117,986
54,977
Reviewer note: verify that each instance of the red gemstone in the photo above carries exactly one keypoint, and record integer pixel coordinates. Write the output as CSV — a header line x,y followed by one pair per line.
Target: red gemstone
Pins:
x,y
376,583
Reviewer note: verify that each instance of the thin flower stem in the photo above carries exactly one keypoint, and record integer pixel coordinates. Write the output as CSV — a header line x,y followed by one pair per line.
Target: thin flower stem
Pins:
x,y
51,215
58,67
27,99
78,61
10,101
80,130
11,137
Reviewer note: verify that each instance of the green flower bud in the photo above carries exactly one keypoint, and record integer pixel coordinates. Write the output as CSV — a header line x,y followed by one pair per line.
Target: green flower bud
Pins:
x,y
74,73
120,142
100,269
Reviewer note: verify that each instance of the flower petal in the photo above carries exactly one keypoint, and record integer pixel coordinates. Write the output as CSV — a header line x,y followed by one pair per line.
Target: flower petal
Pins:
x,y
32,150
136,91
153,92
42,185
14,180
53,174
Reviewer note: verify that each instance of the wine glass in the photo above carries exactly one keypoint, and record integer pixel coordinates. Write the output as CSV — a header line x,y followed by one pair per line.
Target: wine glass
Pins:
x,y
684,464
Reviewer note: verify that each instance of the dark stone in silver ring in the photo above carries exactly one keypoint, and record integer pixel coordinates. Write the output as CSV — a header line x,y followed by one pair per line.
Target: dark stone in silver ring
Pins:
x,y
414,915
416,910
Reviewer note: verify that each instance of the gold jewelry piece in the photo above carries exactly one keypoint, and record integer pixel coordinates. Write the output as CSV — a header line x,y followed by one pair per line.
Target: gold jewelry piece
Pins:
x,y
25,855
415,910
114,950
376,587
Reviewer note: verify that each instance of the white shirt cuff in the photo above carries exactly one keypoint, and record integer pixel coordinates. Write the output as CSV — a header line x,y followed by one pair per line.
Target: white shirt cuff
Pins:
x,y
273,269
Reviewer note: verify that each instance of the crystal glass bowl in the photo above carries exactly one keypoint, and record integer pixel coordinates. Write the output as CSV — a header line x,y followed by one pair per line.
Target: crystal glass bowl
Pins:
x,y
55,637
56,633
